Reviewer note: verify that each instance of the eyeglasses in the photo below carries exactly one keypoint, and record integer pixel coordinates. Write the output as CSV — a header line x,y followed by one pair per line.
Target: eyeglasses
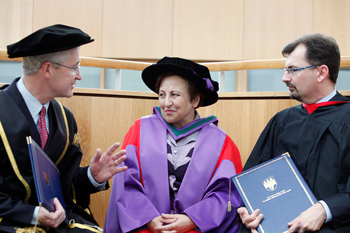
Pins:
x,y
292,71
75,69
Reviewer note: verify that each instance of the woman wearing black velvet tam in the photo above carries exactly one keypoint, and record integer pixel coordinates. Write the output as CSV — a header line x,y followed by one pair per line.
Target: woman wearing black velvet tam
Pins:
x,y
28,108
179,164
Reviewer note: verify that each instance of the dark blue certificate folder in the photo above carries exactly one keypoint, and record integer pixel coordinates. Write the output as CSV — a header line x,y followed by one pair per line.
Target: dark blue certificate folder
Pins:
x,y
278,190
46,177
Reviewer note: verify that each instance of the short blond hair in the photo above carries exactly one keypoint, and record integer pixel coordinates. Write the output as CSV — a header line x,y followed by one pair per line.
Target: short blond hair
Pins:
x,y
32,64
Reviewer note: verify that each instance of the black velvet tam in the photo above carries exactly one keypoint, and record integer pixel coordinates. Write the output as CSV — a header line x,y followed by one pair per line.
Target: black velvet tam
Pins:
x,y
188,69
48,40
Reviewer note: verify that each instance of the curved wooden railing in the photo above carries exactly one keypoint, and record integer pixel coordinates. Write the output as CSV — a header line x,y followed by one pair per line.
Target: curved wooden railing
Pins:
x,y
95,62
213,66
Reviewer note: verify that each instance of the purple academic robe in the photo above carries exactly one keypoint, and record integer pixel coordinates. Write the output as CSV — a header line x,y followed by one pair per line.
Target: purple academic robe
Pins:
x,y
142,192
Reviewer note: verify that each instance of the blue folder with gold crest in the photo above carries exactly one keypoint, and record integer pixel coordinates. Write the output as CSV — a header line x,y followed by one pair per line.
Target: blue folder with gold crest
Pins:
x,y
277,188
46,177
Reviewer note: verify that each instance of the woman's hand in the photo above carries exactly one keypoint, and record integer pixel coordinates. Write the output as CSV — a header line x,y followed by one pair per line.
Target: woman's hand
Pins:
x,y
250,221
176,223
154,223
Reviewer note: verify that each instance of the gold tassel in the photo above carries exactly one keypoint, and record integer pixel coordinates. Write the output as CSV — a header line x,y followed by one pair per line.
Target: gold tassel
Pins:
x,y
229,197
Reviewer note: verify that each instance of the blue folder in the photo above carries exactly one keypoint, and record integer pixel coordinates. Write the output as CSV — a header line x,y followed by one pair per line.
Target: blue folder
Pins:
x,y
46,177
277,188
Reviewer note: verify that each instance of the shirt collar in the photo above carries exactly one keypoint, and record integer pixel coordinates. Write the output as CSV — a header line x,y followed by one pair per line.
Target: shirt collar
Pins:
x,y
328,97
34,106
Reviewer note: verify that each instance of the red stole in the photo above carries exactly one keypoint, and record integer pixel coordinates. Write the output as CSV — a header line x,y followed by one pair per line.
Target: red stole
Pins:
x,y
312,107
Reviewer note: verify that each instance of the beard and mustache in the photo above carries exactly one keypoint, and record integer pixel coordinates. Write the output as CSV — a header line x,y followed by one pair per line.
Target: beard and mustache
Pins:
x,y
294,93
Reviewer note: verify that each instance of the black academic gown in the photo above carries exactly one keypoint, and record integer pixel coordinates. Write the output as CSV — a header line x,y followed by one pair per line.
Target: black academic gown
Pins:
x,y
319,144
17,191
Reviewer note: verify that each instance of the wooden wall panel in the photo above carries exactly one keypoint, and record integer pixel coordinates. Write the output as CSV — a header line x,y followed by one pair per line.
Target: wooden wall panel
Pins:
x,y
202,30
270,24
84,14
81,108
106,130
137,29
15,21
332,18
208,29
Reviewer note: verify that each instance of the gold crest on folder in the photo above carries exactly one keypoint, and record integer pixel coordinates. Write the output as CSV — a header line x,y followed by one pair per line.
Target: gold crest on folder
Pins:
x,y
270,184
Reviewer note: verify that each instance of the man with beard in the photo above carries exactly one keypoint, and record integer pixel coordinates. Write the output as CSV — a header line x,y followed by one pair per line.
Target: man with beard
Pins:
x,y
316,134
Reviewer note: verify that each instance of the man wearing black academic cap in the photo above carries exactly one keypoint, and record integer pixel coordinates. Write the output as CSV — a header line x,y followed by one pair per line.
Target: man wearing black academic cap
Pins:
x,y
316,134
28,108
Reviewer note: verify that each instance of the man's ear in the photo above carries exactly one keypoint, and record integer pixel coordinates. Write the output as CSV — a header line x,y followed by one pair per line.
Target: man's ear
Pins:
x,y
323,72
46,69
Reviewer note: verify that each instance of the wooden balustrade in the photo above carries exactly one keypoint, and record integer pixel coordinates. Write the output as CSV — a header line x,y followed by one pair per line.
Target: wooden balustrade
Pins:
x,y
213,66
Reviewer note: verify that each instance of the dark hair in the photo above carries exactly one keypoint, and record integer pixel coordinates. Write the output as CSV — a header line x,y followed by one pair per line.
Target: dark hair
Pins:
x,y
192,88
321,50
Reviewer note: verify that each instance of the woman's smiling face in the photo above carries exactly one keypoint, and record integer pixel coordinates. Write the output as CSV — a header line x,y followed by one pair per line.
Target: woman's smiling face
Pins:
x,y
175,101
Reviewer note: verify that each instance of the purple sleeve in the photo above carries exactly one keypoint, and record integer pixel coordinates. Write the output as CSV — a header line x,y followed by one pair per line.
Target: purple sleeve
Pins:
x,y
212,212
129,208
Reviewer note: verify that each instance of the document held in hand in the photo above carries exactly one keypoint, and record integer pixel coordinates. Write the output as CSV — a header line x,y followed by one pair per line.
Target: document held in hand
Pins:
x,y
46,177
277,188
